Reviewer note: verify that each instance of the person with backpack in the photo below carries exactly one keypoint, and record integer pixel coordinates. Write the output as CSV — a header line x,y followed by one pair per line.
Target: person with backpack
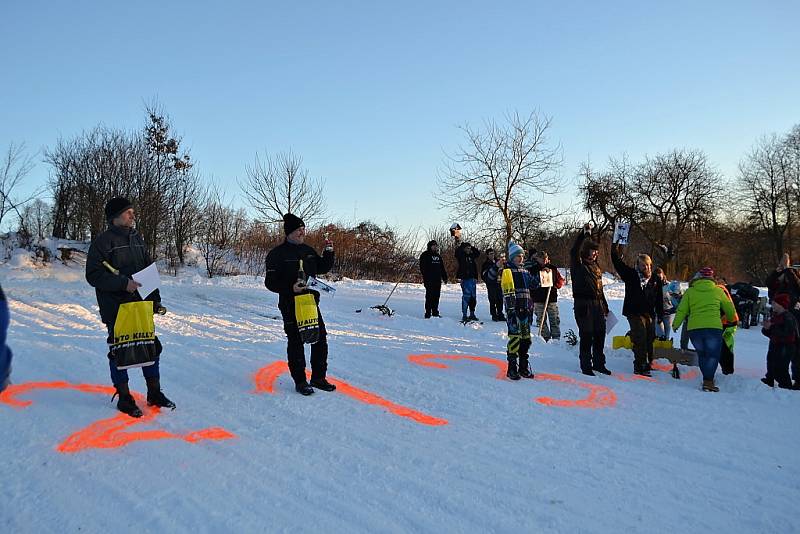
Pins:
x,y
431,265
545,299
490,272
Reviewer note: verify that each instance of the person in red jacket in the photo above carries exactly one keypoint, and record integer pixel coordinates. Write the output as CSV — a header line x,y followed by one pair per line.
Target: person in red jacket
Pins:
x,y
781,329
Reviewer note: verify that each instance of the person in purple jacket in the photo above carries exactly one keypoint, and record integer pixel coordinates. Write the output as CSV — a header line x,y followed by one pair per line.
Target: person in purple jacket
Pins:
x,y
5,352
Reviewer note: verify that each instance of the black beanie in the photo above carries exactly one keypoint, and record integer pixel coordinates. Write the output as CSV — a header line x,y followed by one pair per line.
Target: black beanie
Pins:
x,y
116,206
291,223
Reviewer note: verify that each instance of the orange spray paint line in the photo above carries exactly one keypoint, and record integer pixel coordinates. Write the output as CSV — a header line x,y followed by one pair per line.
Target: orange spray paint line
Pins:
x,y
112,432
266,377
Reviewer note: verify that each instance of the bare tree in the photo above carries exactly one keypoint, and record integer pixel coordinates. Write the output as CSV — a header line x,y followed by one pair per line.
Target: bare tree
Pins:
x,y
15,167
499,168
669,199
767,185
221,228
279,185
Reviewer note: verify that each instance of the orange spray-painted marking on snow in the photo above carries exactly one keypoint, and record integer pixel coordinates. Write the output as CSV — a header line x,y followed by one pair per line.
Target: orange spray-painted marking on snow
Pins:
x,y
685,375
599,396
108,433
266,377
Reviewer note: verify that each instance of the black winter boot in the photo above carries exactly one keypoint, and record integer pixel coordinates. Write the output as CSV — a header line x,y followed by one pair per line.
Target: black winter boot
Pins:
x,y
512,368
321,383
602,369
525,370
126,404
154,395
303,388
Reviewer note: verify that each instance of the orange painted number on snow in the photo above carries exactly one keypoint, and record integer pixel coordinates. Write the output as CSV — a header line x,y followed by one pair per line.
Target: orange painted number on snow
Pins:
x,y
266,377
112,432
598,397
685,375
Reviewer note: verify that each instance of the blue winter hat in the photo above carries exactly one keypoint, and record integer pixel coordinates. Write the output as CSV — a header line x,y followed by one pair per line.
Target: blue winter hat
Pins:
x,y
514,250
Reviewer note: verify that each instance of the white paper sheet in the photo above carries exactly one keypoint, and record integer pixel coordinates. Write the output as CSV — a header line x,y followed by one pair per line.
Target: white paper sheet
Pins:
x,y
611,321
149,279
545,278
621,232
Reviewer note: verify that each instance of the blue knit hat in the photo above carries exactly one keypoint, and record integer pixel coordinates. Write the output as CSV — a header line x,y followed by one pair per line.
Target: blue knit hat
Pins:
x,y
514,250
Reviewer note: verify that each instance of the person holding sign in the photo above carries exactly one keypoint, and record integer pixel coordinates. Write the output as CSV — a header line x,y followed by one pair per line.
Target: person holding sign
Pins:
x,y
545,298
591,307
288,267
642,304
114,257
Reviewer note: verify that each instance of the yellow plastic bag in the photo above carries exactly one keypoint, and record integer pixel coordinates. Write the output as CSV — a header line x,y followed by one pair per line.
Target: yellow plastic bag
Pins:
x,y
135,343
307,317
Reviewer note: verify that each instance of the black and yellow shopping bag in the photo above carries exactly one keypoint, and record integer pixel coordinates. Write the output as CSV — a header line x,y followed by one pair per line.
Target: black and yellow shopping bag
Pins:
x,y
135,343
307,317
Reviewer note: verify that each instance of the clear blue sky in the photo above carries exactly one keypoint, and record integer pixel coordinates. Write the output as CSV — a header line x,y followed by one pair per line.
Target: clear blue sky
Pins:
x,y
370,93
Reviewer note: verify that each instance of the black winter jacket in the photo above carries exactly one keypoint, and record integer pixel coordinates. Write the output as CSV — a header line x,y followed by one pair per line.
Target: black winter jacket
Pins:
x,y
639,300
283,264
467,266
124,250
587,278
432,268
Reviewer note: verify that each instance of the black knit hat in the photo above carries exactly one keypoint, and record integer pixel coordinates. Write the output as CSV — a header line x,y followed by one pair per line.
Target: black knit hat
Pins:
x,y
116,206
291,223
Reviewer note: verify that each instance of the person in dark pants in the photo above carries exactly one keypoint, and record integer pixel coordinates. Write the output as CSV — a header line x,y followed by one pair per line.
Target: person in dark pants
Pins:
x,y
5,352
283,268
591,307
433,272
466,256
781,329
786,279
643,303
704,304
113,257
545,299
490,271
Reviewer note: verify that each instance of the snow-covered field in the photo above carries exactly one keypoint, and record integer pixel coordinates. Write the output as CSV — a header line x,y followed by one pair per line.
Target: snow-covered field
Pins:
x,y
425,439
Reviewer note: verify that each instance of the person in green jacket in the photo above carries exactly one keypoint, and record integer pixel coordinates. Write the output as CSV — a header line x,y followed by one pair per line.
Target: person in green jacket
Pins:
x,y
702,302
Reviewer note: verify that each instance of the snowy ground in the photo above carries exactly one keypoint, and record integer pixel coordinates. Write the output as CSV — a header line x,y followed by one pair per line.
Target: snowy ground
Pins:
x,y
417,443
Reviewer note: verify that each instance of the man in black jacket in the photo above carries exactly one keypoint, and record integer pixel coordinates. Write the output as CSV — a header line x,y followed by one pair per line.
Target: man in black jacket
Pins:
x,y
490,274
113,257
466,256
433,272
283,267
590,303
642,304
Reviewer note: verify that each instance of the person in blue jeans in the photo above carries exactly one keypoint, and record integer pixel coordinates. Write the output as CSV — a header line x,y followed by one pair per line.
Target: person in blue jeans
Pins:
x,y
466,256
5,352
704,303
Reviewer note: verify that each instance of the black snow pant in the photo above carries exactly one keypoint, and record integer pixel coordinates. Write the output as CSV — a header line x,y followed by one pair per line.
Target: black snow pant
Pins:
x,y
643,333
495,300
778,359
726,359
590,315
296,353
432,293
